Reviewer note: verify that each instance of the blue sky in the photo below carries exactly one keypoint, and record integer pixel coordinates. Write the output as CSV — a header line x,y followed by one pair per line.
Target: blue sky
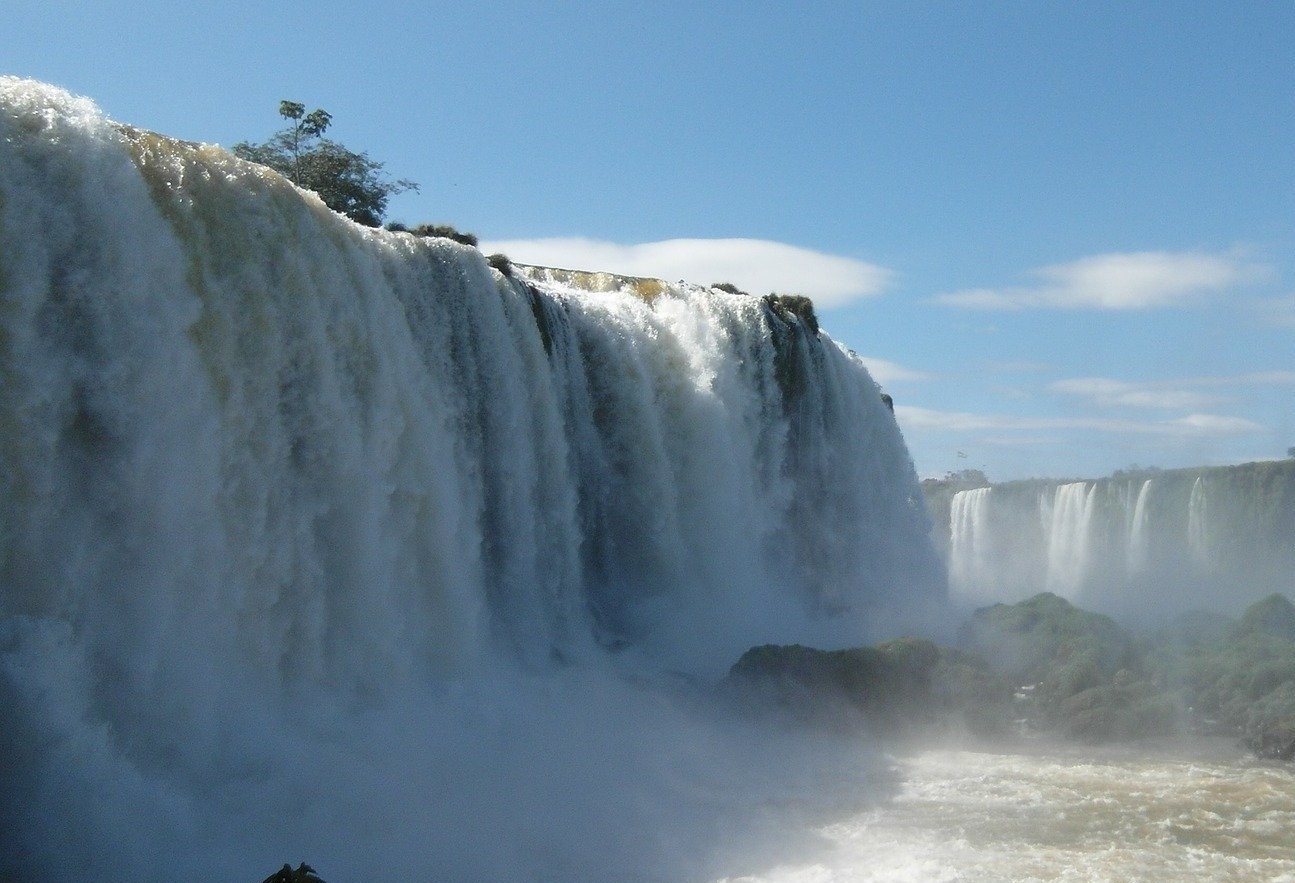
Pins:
x,y
1061,234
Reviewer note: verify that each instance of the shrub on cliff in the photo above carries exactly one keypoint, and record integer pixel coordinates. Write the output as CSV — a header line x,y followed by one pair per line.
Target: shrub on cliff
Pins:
x,y
443,231
348,182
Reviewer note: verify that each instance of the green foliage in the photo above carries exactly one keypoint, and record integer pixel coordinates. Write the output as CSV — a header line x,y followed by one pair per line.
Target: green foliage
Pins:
x,y
1048,639
1119,710
907,685
1238,679
1056,668
885,687
1273,616
501,263
443,231
1080,674
728,287
348,182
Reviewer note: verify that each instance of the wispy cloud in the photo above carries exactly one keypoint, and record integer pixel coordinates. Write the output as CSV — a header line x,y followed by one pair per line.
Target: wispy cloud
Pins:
x,y
755,265
1192,425
1107,393
1185,393
1127,281
884,371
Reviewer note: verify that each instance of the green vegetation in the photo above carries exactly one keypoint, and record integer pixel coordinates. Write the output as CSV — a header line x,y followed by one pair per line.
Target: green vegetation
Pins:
x,y
501,263
1244,681
1047,666
905,686
349,183
435,231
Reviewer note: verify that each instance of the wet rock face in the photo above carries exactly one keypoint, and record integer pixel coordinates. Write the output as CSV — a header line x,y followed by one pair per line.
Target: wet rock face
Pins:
x,y
794,307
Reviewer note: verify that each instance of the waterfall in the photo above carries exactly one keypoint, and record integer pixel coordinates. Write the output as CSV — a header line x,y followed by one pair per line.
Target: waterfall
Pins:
x,y
1205,538
1197,515
334,543
1069,522
970,567
1137,543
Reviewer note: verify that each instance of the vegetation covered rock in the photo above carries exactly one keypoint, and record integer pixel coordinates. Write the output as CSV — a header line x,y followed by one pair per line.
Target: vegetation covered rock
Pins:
x,y
348,182
1047,666
904,686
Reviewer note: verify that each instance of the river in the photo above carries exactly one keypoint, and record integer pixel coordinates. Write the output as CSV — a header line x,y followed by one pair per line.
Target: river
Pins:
x,y
1199,811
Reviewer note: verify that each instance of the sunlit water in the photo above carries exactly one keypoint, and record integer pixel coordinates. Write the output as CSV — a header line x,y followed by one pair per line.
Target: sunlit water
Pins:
x,y
1203,812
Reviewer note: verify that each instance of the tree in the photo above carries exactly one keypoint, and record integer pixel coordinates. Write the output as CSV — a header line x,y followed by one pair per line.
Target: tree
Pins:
x,y
349,183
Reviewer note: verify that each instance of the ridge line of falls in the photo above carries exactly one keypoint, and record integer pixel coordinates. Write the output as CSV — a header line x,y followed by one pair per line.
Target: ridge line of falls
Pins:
x,y
336,544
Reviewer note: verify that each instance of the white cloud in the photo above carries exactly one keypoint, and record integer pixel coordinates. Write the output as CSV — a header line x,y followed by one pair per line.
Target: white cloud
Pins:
x,y
1128,281
1194,425
1181,393
885,372
755,265
1107,393
1212,424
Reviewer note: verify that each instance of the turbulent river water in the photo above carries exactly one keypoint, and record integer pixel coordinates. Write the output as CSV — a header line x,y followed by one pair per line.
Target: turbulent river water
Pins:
x,y
1201,811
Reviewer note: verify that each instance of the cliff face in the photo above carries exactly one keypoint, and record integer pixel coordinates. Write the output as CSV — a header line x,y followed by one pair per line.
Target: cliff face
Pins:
x,y
1133,545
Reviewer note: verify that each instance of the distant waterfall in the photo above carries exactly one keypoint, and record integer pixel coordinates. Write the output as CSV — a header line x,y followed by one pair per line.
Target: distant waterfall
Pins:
x,y
1137,552
969,564
334,543
1197,522
1145,546
1069,517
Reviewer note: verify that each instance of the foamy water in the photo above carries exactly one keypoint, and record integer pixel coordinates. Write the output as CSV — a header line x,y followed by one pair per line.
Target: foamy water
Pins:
x,y
1203,812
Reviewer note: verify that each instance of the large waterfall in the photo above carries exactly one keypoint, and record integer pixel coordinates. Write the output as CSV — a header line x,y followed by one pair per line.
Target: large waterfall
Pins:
x,y
1144,546
328,543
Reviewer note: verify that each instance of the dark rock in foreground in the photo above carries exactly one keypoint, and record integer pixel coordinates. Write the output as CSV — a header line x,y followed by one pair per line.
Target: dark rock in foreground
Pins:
x,y
905,686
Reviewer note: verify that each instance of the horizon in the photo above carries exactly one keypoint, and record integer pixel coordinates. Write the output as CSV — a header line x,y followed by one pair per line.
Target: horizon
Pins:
x,y
1060,237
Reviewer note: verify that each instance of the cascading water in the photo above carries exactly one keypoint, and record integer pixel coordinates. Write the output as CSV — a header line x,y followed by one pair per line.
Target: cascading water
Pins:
x,y
1145,548
1197,520
1137,553
1069,518
969,556
332,543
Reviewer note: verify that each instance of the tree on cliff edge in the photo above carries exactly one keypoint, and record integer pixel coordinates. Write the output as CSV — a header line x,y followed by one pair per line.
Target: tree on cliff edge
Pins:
x,y
349,183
